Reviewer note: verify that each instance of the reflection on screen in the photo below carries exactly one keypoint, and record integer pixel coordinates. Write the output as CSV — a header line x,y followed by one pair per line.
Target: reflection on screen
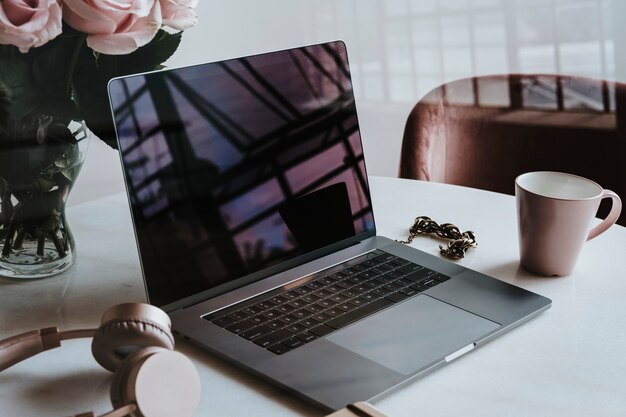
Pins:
x,y
235,166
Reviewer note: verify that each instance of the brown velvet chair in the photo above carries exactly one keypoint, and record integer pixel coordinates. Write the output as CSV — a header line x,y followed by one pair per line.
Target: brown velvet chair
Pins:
x,y
483,132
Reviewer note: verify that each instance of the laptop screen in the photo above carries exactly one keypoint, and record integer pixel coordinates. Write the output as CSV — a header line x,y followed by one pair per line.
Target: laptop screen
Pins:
x,y
235,166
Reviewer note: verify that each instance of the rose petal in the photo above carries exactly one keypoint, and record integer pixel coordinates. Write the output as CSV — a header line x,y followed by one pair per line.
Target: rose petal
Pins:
x,y
140,33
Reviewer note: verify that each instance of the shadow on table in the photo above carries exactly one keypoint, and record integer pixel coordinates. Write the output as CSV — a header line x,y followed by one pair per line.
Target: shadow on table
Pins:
x,y
262,387
77,391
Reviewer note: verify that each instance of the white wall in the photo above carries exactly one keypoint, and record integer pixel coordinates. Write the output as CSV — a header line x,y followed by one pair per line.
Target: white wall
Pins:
x,y
399,50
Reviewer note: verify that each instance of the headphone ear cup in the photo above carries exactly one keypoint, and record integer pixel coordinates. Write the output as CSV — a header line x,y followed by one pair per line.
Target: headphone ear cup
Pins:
x,y
127,328
160,382
120,376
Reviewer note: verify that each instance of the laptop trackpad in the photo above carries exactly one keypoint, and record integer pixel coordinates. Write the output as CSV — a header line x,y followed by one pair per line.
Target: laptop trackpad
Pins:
x,y
414,334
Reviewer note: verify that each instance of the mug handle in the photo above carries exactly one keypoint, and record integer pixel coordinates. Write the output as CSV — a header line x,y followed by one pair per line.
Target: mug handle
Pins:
x,y
610,220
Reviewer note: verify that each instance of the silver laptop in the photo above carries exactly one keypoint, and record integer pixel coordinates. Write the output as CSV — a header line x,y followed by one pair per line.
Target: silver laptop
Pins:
x,y
254,224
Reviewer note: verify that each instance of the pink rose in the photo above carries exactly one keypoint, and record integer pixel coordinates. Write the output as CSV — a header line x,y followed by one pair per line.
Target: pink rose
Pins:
x,y
29,24
114,27
179,14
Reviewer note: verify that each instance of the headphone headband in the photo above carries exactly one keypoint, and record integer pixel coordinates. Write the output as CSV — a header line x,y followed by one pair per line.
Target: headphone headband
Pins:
x,y
135,341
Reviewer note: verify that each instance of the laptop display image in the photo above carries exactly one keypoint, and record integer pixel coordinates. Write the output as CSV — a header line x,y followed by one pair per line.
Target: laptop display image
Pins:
x,y
255,228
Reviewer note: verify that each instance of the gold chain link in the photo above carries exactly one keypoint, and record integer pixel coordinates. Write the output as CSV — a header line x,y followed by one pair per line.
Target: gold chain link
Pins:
x,y
460,241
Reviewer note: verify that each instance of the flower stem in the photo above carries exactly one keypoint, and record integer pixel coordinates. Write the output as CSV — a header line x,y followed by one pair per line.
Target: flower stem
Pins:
x,y
80,40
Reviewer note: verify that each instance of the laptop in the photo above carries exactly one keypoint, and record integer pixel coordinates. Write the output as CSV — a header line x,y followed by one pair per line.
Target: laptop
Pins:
x,y
254,224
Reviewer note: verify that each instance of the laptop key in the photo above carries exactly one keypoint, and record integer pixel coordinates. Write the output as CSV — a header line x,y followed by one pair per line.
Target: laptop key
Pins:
x,y
295,328
277,300
308,322
350,293
303,290
264,305
272,338
410,268
372,284
278,349
409,292
274,325
284,308
368,274
420,275
350,271
337,276
360,267
272,314
441,277
296,304
314,285
370,296
358,302
381,292
310,298
384,279
326,303
359,313
396,297
334,288
338,298
291,295
239,327
384,267
321,330
392,286
292,342
326,280
301,313
360,289
370,263
236,316
306,337
419,287
315,308
321,317
430,282
394,274
254,332
288,319
256,320
333,312
399,262
403,282
223,321
322,293
251,311
345,307
353,280
344,284
385,257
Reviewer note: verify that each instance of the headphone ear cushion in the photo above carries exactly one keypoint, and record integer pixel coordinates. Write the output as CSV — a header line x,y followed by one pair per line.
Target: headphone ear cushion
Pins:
x,y
120,376
117,338
160,382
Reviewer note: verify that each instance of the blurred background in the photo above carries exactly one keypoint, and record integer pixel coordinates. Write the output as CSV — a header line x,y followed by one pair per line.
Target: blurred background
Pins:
x,y
399,50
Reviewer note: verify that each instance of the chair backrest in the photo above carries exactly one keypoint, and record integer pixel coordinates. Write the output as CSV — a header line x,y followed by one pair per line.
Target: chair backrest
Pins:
x,y
483,132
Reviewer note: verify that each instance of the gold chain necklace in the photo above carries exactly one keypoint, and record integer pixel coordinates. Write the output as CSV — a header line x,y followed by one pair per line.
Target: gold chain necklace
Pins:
x,y
460,241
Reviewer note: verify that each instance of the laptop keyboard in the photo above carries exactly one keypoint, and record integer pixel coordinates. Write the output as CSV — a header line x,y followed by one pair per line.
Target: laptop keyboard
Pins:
x,y
285,319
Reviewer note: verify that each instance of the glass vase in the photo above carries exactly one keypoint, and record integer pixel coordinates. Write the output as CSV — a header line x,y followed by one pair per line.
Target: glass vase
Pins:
x,y
40,160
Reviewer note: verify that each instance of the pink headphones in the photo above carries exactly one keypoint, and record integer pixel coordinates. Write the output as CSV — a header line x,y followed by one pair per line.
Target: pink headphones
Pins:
x,y
135,341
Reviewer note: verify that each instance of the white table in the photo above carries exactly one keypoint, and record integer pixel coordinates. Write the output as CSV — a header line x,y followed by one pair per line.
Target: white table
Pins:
x,y
569,361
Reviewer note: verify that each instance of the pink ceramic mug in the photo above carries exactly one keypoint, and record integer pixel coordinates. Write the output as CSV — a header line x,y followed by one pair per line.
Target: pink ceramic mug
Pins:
x,y
555,212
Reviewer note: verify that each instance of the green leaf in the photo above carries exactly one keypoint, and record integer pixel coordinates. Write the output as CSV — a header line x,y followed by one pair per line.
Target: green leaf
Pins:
x,y
150,56
93,73
15,77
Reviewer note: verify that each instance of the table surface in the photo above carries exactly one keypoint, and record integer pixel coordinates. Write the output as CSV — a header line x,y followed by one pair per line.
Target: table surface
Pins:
x,y
567,361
